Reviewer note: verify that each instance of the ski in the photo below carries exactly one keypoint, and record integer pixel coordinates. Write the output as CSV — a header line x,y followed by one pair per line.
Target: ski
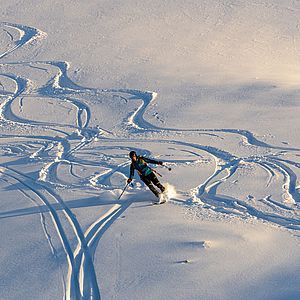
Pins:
x,y
159,202
162,198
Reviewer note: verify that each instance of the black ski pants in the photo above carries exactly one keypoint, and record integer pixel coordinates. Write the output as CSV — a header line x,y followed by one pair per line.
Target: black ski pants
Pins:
x,y
151,179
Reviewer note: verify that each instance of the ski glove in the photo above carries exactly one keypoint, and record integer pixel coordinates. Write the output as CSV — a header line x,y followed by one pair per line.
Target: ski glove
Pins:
x,y
129,180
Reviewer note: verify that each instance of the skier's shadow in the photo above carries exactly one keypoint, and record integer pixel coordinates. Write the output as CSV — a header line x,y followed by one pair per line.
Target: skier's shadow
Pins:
x,y
78,203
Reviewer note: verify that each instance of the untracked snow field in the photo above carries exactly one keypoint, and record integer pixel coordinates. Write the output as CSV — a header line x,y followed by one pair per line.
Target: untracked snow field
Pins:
x,y
209,87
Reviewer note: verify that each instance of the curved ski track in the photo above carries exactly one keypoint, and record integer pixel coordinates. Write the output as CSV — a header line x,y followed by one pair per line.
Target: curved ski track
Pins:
x,y
69,139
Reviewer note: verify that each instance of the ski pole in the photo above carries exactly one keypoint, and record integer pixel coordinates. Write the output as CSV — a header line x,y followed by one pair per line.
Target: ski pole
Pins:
x,y
123,191
156,172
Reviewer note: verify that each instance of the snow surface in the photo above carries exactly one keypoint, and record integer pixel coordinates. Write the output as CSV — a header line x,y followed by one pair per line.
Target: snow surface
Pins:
x,y
209,87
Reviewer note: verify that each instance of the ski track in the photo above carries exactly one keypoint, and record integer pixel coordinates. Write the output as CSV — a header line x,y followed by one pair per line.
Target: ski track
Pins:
x,y
26,35
42,219
70,139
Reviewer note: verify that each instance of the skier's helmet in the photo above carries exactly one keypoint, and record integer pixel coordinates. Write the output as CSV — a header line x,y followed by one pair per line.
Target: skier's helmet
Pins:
x,y
132,153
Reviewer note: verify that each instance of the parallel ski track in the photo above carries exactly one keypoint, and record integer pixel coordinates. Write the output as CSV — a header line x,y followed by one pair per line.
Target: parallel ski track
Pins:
x,y
28,195
72,283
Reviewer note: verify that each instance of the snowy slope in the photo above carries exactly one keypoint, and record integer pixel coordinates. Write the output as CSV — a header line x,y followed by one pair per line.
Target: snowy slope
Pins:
x,y
208,87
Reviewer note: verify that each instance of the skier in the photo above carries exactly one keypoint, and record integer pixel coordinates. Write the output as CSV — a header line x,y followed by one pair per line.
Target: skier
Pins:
x,y
147,175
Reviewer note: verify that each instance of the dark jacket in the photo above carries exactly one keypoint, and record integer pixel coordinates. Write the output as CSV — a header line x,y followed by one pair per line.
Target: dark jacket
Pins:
x,y
141,166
